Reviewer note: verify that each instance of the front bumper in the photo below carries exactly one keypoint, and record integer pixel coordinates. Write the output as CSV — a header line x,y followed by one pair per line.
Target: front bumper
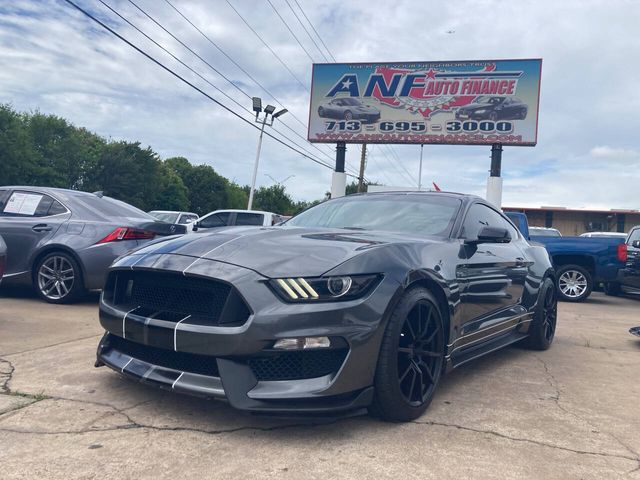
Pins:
x,y
237,362
472,116
367,117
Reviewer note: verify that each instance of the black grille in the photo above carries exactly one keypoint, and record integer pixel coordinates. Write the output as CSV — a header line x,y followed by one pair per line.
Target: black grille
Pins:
x,y
184,362
170,296
297,365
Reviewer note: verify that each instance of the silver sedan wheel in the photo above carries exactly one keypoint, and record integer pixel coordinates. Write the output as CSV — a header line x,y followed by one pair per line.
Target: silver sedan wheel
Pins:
x,y
572,284
56,277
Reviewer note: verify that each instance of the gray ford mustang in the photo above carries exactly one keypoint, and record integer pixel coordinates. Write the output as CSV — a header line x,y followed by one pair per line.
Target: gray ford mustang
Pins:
x,y
359,302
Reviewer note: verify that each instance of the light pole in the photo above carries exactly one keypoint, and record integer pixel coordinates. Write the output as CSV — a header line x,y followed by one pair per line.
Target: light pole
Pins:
x,y
268,110
420,170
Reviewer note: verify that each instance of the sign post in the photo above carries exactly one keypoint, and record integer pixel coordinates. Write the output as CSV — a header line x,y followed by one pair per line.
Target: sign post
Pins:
x,y
339,178
494,182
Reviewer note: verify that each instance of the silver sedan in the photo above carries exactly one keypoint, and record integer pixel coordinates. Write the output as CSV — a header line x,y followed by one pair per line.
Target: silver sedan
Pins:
x,y
62,241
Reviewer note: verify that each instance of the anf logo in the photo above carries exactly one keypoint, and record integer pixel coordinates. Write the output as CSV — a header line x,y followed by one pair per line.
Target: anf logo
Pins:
x,y
347,84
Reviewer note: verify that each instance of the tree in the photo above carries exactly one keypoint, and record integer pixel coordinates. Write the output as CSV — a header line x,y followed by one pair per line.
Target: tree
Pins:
x,y
18,163
273,199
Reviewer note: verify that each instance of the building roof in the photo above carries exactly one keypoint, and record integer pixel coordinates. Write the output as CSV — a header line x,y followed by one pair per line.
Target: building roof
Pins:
x,y
615,211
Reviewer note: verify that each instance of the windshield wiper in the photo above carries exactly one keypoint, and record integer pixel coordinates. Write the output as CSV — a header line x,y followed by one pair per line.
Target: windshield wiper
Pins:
x,y
352,228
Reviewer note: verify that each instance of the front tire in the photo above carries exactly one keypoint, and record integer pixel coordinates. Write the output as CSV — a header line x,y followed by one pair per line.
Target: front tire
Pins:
x,y
57,278
543,327
411,358
348,115
574,283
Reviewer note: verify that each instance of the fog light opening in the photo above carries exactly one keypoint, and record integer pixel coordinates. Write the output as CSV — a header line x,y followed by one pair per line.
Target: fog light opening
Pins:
x,y
303,343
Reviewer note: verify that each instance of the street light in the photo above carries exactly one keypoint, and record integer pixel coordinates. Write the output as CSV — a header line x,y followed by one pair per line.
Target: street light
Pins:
x,y
268,110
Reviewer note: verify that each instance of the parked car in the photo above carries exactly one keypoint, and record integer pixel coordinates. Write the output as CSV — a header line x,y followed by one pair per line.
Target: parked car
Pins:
x,y
635,331
493,108
226,218
62,241
3,257
628,279
544,232
580,262
349,109
359,302
604,234
171,216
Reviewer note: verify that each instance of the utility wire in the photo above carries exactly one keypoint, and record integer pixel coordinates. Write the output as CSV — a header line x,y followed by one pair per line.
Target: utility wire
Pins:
x,y
291,31
314,29
236,64
306,31
268,47
187,82
194,71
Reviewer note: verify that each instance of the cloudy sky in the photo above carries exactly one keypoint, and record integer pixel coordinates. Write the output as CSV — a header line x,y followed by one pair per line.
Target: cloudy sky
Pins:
x,y
588,155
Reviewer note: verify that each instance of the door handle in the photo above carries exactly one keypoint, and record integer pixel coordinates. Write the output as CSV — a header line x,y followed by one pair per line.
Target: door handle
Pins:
x,y
42,227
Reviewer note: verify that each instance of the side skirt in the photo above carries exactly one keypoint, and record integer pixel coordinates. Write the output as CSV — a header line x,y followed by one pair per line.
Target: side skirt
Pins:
x,y
483,348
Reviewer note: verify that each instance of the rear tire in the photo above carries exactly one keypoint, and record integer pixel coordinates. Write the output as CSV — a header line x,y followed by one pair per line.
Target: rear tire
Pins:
x,y
574,283
411,358
57,278
543,327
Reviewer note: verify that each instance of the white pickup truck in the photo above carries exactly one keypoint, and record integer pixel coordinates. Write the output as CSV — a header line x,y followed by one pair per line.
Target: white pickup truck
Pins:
x,y
223,218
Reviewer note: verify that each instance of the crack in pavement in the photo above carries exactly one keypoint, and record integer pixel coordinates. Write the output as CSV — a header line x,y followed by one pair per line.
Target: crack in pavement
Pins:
x,y
525,440
553,382
6,376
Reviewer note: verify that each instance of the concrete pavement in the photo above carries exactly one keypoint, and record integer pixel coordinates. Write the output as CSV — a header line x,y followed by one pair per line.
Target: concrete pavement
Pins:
x,y
569,412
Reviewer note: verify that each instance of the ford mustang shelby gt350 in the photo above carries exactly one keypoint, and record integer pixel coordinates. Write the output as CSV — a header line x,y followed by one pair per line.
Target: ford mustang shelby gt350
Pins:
x,y
361,301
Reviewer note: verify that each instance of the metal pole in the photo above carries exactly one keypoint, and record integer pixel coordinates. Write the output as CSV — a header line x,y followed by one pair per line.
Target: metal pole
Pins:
x,y
339,178
494,182
363,156
420,169
255,166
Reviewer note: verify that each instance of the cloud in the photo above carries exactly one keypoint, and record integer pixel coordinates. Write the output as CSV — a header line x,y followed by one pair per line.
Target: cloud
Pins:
x,y
57,61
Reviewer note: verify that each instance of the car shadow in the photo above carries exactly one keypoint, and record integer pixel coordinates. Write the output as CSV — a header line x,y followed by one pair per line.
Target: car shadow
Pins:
x,y
90,298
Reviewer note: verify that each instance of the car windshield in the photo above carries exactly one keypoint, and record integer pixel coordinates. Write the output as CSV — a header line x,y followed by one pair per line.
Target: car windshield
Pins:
x,y
110,207
413,214
490,100
351,101
168,217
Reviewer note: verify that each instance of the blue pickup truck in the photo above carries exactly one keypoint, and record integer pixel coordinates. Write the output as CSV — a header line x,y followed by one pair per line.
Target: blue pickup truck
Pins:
x,y
580,262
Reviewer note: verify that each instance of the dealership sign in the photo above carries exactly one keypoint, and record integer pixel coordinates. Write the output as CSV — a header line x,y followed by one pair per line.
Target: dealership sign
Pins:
x,y
469,102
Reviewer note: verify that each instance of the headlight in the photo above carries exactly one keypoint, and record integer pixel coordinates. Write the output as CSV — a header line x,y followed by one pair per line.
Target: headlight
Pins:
x,y
482,110
323,289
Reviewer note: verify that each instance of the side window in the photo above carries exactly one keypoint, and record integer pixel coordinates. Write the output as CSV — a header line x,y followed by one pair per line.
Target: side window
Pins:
x,y
634,235
4,196
479,216
31,204
215,220
249,218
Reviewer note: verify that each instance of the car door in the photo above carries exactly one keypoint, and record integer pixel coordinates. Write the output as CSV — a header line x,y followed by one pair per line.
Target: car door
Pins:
x,y
28,220
491,277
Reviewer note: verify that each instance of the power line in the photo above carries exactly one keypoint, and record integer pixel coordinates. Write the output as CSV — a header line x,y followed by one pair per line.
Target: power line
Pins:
x,y
187,82
314,29
306,31
236,64
194,71
290,31
268,47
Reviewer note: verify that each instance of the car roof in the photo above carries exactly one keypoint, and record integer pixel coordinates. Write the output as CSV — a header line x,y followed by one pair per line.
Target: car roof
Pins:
x,y
232,210
173,211
466,196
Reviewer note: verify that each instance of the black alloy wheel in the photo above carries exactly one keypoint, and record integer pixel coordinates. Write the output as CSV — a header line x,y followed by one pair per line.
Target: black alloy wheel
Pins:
x,y
348,115
411,358
493,116
543,327
321,112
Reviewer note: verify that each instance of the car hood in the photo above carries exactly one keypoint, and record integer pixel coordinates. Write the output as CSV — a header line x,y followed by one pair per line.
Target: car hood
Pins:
x,y
278,251
366,109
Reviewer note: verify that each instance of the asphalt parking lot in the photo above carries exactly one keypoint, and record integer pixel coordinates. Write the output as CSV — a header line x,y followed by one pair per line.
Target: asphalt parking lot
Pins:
x,y
570,412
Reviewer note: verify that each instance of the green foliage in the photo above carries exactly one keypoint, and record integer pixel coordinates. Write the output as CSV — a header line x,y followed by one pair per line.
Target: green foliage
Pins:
x,y
46,150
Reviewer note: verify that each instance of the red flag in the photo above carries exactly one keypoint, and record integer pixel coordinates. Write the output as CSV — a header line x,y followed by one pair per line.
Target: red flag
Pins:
x,y
436,187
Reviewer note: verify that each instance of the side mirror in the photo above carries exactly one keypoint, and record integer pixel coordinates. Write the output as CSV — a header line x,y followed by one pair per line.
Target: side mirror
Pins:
x,y
635,244
492,235
195,226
